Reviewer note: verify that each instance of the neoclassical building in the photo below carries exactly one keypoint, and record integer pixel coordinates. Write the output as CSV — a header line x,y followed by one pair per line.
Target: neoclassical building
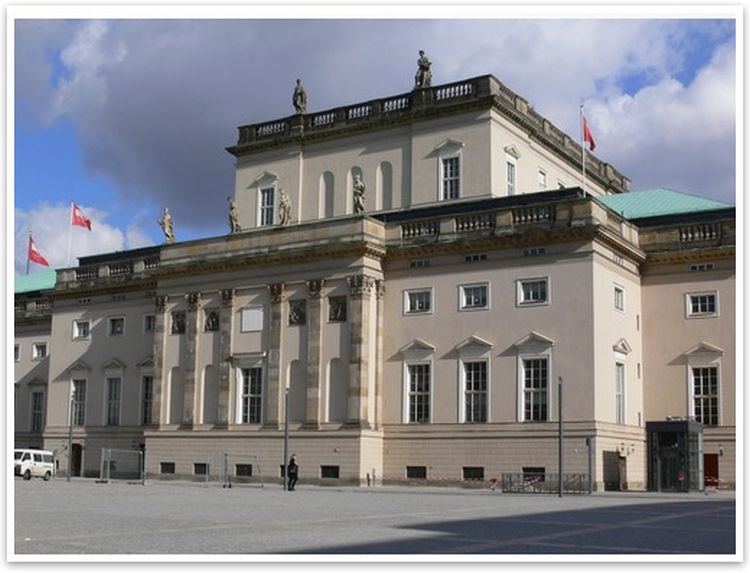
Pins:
x,y
417,274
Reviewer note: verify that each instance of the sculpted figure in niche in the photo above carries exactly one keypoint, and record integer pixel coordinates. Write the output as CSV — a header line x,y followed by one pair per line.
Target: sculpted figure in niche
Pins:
x,y
423,78
167,225
234,217
358,188
285,208
299,98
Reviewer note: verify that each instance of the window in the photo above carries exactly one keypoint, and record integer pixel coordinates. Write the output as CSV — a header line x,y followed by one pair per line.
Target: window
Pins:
x,y
473,473
542,179
475,391
79,402
534,251
149,323
266,206
533,474
200,469
329,472
243,470
419,263
450,179
419,392
706,395
116,326
619,393
417,301
535,383
211,323
39,350
473,297
297,312
147,400
416,472
619,298
532,292
702,304
178,322
17,352
37,411
113,401
252,394
81,329
166,467
337,309
701,267
251,319
510,173
477,258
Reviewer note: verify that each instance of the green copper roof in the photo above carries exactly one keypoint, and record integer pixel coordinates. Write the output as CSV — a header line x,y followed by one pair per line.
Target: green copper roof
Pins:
x,y
40,280
660,201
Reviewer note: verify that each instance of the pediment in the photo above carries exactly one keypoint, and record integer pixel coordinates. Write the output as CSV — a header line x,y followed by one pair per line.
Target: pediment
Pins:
x,y
533,339
147,362
704,348
37,382
114,364
449,145
239,358
265,177
512,150
79,365
474,343
417,345
622,346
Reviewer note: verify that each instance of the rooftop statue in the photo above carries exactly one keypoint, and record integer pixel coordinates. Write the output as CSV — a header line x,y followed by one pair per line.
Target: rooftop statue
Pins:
x,y
299,99
234,217
167,225
423,78
358,187
285,208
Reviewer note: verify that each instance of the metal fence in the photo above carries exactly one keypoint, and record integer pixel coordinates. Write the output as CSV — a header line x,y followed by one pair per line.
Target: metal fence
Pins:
x,y
544,483
122,465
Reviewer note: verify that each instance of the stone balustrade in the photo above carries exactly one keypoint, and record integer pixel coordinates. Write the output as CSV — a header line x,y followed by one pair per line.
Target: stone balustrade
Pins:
x,y
704,232
107,271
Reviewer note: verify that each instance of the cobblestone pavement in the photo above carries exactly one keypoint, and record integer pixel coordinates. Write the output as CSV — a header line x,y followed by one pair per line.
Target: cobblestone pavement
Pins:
x,y
83,517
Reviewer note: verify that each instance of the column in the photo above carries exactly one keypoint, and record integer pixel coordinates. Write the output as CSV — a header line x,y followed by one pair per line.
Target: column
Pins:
x,y
191,347
360,288
380,293
275,384
160,304
226,315
314,344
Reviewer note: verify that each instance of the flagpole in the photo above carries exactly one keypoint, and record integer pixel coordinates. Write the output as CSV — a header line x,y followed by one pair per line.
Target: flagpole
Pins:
x,y
583,151
70,231
28,251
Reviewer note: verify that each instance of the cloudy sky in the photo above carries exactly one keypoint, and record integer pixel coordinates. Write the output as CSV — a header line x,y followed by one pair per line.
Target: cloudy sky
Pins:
x,y
128,116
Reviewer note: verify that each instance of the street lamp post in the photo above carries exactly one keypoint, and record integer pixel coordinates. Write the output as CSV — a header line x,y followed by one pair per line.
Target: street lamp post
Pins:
x,y
286,436
70,429
560,436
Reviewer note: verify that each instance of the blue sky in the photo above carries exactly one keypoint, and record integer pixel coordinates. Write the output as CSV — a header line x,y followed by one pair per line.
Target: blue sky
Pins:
x,y
127,117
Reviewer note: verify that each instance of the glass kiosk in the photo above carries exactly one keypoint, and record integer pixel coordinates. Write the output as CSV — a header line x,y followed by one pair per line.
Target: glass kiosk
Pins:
x,y
675,455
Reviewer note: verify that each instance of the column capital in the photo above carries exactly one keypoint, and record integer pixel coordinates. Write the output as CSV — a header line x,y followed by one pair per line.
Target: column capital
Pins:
x,y
314,287
380,288
160,303
276,290
360,284
227,297
193,299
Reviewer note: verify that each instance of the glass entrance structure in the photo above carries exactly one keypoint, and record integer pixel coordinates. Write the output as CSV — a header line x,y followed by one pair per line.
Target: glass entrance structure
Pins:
x,y
675,455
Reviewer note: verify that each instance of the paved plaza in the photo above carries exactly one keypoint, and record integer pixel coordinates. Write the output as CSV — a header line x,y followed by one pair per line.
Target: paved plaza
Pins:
x,y
175,518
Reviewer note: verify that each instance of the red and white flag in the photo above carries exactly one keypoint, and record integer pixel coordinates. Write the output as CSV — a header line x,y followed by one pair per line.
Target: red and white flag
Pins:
x,y
78,218
588,137
35,255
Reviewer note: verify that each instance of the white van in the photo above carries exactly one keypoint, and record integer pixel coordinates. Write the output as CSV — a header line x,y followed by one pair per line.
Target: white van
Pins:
x,y
36,463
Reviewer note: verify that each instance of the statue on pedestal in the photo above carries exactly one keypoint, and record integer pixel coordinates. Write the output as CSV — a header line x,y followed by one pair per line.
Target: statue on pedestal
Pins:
x,y
423,79
358,188
234,217
285,208
299,98
167,225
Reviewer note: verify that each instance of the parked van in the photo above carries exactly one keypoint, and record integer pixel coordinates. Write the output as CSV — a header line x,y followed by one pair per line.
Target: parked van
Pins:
x,y
34,463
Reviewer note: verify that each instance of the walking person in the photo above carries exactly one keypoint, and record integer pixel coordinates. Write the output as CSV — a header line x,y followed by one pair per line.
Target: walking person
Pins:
x,y
291,471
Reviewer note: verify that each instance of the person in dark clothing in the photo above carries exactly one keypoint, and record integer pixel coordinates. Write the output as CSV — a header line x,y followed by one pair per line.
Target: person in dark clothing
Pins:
x,y
291,471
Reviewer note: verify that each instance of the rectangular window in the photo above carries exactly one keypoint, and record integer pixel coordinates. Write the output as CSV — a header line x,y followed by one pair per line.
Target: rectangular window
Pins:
x,y
329,472
149,323
703,304
542,179
147,400
243,470
478,258
475,393
473,473
619,393
251,319
416,472
510,170
535,382
166,467
17,352
534,251
418,301
531,292
419,393
39,350
200,469
81,329
706,395
419,263
474,297
533,474
37,411
252,394
116,326
79,402
113,401
336,309
619,298
266,206
451,178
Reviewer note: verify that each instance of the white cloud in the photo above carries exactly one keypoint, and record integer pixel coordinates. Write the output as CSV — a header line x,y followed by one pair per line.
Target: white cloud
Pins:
x,y
137,237
50,226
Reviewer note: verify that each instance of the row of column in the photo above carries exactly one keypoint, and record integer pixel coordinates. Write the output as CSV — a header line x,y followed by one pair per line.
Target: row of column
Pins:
x,y
361,366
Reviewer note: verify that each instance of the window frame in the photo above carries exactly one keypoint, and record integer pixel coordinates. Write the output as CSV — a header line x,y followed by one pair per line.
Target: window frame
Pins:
x,y
146,317
621,290
406,301
77,409
263,208
703,365
110,322
407,393
541,178
249,307
76,329
37,415
112,406
522,358
511,188
620,392
250,363
521,303
463,404
689,304
462,307
17,352
35,347
146,406
442,180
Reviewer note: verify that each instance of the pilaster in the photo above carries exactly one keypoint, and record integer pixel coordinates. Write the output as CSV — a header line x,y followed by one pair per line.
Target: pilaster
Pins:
x,y
191,352
160,304
226,315
314,345
380,310
360,290
275,384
